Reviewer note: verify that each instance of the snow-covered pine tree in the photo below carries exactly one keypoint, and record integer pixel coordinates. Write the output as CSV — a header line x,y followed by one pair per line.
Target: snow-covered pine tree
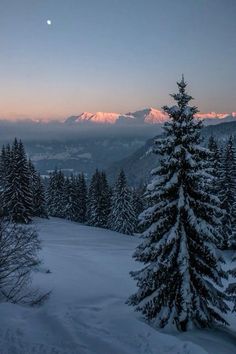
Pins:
x,y
228,196
105,200
138,199
18,196
55,194
71,198
180,285
38,193
66,199
215,159
50,193
231,289
99,200
81,193
39,198
122,217
94,195
3,169
217,184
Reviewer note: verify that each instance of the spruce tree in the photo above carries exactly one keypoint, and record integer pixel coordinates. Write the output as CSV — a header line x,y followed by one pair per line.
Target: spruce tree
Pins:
x,y
181,283
122,217
66,200
231,289
99,200
94,200
228,196
18,195
56,194
215,159
217,184
81,193
50,193
105,201
4,164
38,193
71,198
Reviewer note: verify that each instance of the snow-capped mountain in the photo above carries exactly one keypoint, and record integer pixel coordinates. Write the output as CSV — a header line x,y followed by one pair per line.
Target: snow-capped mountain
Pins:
x,y
97,118
146,116
149,116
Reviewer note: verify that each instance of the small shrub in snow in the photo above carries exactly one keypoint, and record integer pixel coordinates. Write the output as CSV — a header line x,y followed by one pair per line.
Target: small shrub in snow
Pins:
x,y
19,247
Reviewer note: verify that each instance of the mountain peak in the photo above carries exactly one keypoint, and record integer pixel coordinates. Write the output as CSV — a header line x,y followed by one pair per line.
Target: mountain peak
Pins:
x,y
150,116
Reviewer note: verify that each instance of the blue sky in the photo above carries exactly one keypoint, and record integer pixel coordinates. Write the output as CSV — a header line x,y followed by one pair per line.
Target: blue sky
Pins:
x,y
114,55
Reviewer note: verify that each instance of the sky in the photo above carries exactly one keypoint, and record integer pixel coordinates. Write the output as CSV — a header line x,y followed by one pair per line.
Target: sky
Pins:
x,y
114,55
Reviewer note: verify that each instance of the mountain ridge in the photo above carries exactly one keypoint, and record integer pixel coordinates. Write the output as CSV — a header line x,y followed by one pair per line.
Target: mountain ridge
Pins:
x,y
145,116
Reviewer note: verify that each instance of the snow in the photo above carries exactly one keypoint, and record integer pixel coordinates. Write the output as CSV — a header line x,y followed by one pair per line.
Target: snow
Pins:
x,y
146,116
86,312
85,155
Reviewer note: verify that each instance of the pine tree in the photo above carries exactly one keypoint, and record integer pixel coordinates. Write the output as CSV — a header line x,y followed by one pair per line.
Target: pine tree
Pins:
x,y
56,195
231,289
215,159
66,200
4,164
50,193
99,200
81,193
217,183
122,217
71,198
105,201
180,285
18,196
94,200
228,196
38,193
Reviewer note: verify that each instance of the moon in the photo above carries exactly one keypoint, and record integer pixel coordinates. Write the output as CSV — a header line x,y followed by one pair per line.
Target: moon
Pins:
x,y
49,22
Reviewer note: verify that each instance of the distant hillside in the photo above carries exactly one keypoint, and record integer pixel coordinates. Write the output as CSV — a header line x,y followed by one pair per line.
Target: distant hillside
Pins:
x,y
220,131
138,165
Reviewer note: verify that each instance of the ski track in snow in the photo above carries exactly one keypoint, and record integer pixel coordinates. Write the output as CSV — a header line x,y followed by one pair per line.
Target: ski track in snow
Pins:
x,y
86,312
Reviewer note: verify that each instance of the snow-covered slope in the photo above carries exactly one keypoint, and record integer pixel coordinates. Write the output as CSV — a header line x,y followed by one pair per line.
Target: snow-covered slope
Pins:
x,y
146,116
86,313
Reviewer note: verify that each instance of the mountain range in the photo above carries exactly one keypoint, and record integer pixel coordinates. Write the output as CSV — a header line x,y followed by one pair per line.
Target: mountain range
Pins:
x,y
146,116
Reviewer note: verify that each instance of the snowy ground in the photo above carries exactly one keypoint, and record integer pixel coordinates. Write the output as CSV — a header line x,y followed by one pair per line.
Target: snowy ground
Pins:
x,y
86,313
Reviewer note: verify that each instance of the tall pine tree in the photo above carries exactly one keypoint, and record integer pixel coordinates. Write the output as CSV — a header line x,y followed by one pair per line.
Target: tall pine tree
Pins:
x,y
55,195
180,285
228,196
99,200
217,185
18,195
81,192
105,200
38,193
94,195
4,165
123,217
